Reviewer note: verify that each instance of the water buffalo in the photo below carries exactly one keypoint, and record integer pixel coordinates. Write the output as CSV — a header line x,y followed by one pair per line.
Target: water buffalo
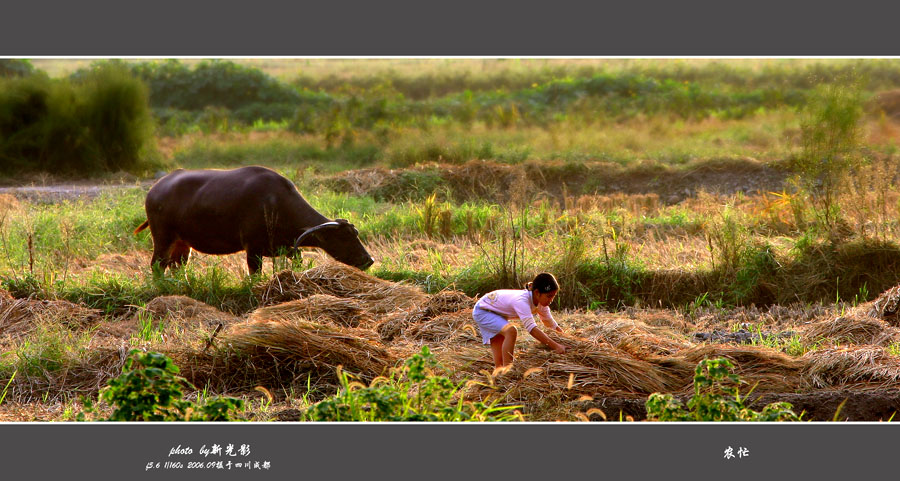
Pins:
x,y
251,209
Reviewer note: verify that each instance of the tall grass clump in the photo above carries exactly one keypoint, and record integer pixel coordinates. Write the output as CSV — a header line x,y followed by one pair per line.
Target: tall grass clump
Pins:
x,y
831,146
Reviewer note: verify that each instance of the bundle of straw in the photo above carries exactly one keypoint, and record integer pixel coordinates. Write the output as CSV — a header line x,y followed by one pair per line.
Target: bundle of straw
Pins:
x,y
887,307
587,368
301,346
340,280
319,308
442,302
767,369
852,329
361,181
445,302
851,366
187,310
451,327
18,316
635,336
392,325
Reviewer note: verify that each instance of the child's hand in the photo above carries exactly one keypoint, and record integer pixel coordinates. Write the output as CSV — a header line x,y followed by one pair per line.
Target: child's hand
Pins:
x,y
559,349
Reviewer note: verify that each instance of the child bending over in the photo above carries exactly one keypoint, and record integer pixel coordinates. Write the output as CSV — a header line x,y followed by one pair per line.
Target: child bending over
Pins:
x,y
493,311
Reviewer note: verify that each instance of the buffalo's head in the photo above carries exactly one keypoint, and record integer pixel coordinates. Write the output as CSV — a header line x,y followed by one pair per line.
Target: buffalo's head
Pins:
x,y
340,239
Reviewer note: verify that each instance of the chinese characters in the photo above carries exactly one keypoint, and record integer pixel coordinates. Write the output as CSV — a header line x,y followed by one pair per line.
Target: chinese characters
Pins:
x,y
741,453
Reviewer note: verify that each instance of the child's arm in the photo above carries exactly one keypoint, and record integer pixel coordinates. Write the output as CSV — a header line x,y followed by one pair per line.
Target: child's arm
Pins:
x,y
528,323
538,334
547,318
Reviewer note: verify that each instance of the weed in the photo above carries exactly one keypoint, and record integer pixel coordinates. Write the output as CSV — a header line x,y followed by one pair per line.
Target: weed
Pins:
x,y
412,392
6,387
716,398
832,138
150,389
148,332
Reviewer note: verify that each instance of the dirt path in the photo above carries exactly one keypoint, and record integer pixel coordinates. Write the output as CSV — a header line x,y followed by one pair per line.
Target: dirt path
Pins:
x,y
69,191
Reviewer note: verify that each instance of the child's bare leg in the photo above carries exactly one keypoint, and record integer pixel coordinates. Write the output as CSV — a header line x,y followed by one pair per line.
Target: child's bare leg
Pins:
x,y
497,349
509,343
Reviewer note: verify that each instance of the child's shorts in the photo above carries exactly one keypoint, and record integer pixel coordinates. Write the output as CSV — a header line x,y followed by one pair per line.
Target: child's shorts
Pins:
x,y
489,323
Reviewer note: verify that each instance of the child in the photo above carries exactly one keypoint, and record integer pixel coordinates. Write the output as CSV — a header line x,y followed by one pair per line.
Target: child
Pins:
x,y
492,311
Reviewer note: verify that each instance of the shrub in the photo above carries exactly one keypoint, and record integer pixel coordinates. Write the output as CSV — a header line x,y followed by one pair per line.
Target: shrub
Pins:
x,y
832,141
716,398
150,389
411,393
211,83
117,117
98,122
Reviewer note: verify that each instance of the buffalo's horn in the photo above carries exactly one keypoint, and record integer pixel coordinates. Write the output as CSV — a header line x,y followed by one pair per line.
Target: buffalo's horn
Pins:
x,y
326,225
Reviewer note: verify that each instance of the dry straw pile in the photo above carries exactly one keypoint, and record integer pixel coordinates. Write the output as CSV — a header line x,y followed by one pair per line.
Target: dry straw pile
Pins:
x,y
338,280
287,352
20,316
312,322
324,308
189,312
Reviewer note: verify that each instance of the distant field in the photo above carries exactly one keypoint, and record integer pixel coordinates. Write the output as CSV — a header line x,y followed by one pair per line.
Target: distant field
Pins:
x,y
289,68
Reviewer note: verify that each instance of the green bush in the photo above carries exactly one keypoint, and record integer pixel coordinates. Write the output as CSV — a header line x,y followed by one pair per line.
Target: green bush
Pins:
x,y
117,118
211,83
150,389
716,398
411,393
100,122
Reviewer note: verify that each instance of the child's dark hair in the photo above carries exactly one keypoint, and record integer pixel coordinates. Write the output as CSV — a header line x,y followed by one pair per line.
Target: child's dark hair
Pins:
x,y
543,282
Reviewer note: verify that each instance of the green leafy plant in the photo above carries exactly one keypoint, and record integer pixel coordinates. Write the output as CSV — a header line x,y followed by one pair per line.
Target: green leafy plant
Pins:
x,y
148,332
6,388
716,398
150,389
412,392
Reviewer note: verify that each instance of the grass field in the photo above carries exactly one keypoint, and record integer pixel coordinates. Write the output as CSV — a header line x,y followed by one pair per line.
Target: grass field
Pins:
x,y
675,238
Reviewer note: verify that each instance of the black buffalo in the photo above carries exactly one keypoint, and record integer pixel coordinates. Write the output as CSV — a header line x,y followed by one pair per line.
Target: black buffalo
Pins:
x,y
251,209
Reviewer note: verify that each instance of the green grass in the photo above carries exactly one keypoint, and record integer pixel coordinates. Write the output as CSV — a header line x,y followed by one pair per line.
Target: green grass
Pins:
x,y
85,252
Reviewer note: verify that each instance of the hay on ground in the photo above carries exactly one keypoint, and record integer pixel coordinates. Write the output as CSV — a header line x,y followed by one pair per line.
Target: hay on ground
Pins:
x,y
445,302
886,307
189,311
849,366
19,316
340,280
636,336
765,369
391,326
80,376
587,368
297,347
455,327
852,329
319,308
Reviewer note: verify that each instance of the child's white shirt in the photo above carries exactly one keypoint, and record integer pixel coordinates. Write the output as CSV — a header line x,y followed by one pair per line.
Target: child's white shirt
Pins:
x,y
516,303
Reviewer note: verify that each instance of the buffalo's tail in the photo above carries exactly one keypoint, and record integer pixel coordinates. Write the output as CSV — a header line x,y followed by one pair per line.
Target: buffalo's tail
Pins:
x,y
142,226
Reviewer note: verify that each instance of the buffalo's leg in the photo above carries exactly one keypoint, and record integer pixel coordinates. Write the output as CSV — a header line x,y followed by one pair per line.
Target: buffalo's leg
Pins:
x,y
254,261
162,247
179,254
